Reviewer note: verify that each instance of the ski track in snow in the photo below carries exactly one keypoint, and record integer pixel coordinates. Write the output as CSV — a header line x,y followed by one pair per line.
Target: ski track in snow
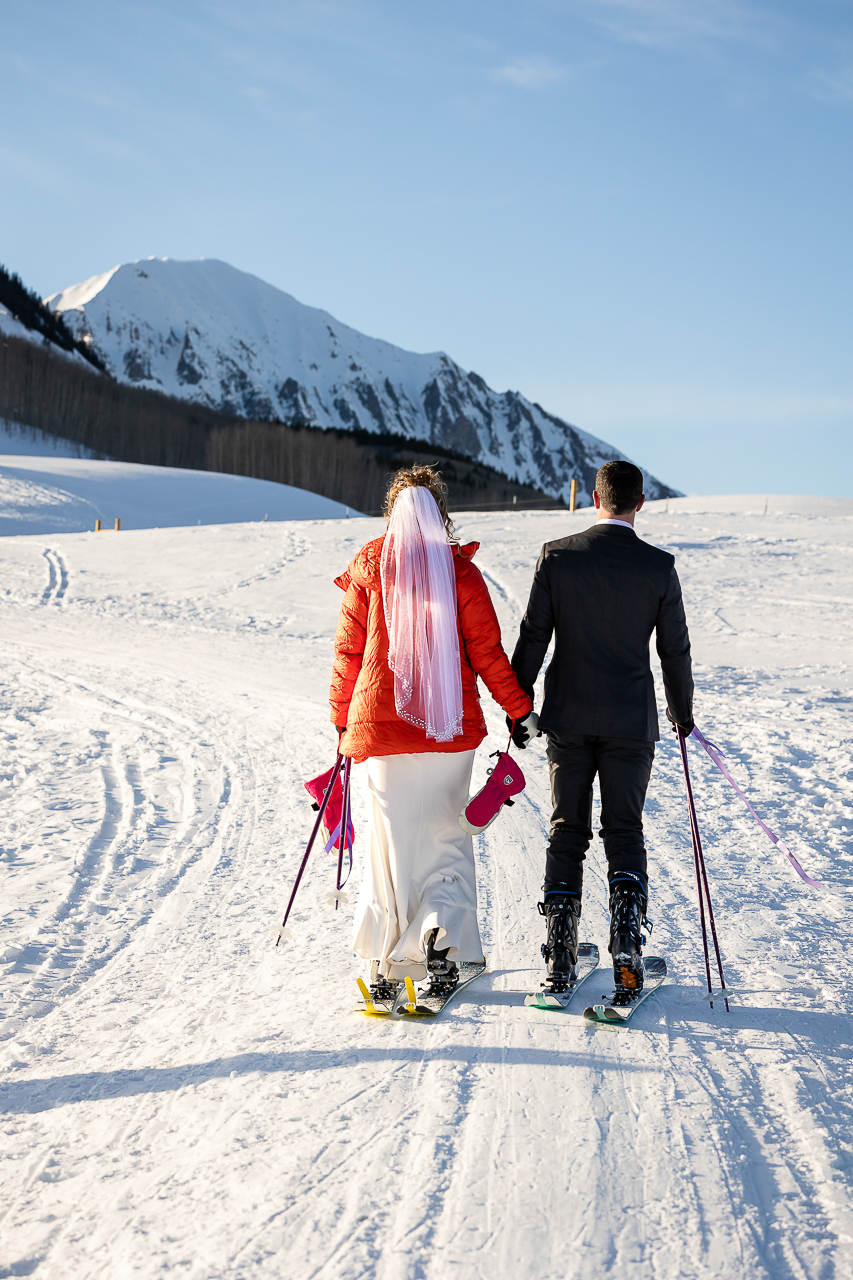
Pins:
x,y
57,577
173,1102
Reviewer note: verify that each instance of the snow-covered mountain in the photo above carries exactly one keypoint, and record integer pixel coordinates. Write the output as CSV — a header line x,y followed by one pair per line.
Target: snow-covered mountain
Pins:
x,y
218,336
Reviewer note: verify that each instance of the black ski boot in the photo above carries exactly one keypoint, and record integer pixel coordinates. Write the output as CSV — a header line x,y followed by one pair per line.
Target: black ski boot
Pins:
x,y
560,949
443,973
628,902
382,990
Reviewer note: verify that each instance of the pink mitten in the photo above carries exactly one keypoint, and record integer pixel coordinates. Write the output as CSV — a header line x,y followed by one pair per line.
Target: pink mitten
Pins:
x,y
505,780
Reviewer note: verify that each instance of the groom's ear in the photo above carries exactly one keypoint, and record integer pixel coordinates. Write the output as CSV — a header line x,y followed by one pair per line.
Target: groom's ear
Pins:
x,y
640,503
596,500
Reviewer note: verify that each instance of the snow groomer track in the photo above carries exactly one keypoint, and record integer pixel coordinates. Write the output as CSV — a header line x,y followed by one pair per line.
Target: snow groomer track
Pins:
x,y
179,1099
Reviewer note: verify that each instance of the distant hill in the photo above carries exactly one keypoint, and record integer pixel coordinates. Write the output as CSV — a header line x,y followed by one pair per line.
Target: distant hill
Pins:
x,y
219,338
47,495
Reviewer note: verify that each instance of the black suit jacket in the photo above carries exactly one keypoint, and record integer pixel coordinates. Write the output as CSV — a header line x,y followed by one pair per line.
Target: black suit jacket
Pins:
x,y
603,592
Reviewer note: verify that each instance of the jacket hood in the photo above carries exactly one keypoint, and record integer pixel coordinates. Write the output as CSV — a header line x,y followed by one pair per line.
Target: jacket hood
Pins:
x,y
364,568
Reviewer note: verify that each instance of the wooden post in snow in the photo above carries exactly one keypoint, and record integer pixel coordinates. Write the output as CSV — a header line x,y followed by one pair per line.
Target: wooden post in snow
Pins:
x,y
97,526
573,496
118,523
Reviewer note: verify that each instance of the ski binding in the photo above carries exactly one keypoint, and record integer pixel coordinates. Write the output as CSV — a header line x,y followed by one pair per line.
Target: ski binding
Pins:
x,y
422,1004
654,970
560,1000
375,1008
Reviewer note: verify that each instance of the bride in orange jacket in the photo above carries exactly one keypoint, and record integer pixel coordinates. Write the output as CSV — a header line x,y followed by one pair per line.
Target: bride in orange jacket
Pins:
x,y
416,629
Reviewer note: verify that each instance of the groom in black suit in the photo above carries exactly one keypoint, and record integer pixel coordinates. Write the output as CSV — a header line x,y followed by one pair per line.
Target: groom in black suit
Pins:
x,y
602,593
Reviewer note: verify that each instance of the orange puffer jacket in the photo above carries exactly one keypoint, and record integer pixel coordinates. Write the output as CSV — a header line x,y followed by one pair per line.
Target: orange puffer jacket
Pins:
x,y
362,692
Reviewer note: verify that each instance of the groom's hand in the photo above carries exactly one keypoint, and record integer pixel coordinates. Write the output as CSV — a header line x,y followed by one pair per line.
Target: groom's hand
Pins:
x,y
686,726
523,731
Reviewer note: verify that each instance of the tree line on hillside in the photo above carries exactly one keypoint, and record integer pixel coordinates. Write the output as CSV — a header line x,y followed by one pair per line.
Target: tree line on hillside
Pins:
x,y
42,389
28,308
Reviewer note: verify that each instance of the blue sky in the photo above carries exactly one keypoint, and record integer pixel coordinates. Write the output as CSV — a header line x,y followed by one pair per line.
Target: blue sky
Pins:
x,y
637,212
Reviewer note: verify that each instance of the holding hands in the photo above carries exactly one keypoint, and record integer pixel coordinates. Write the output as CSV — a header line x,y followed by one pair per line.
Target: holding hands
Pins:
x,y
523,731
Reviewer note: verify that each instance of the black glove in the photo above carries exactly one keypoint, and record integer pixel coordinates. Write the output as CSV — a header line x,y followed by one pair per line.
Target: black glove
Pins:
x,y
686,726
523,731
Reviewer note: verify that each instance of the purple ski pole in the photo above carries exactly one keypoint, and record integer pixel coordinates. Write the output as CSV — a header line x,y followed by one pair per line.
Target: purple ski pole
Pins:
x,y
326,797
701,879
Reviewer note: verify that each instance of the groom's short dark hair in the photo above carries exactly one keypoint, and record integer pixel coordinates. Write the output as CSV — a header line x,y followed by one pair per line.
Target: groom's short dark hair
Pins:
x,y
619,485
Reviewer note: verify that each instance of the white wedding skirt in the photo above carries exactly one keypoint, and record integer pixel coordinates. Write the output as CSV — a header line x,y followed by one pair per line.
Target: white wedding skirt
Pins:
x,y
420,863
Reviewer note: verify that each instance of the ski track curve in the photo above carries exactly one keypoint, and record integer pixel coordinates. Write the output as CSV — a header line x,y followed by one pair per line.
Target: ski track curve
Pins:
x,y
173,1100
57,577
133,816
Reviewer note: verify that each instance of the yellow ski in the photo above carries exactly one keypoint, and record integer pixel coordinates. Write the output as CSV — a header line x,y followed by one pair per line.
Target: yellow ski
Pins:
x,y
371,1009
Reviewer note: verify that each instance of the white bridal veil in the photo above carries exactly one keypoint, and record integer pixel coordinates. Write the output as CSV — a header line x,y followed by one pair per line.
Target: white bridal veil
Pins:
x,y
419,598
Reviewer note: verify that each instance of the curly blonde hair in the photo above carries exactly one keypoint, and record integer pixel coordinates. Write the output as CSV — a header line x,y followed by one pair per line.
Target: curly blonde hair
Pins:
x,y
428,478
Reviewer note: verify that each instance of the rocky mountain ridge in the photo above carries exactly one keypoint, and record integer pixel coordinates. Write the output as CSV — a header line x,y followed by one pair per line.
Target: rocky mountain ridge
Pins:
x,y
211,334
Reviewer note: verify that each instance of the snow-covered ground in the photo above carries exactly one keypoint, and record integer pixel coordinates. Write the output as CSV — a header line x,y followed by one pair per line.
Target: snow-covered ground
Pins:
x,y
180,1099
30,442
54,491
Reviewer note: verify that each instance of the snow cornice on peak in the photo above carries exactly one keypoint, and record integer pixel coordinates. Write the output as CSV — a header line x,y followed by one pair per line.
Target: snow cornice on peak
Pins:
x,y
76,296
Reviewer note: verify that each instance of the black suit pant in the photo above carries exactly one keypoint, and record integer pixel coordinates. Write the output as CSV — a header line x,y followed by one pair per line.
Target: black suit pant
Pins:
x,y
624,766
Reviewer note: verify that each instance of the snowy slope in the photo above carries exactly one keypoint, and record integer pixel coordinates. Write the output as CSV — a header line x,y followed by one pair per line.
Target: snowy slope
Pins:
x,y
54,494
174,1103
31,442
209,333
12,328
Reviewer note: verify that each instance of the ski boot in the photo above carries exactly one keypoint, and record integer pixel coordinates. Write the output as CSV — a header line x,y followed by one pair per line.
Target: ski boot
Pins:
x,y
443,973
562,911
628,902
382,990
